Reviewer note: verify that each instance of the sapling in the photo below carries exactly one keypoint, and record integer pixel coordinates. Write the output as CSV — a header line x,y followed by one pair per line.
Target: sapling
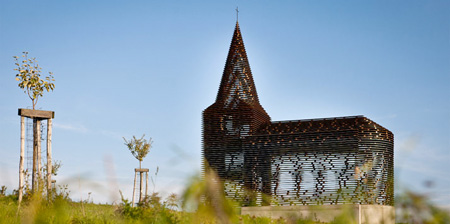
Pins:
x,y
139,147
29,77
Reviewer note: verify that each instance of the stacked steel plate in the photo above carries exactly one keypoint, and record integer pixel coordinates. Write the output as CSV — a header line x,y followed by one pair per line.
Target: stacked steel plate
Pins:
x,y
304,162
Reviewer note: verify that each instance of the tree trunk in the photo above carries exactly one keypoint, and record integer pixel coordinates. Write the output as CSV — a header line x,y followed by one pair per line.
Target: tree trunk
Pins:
x,y
140,181
141,186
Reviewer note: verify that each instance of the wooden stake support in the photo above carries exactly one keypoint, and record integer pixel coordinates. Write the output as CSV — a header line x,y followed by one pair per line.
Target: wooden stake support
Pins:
x,y
141,184
37,116
22,155
49,157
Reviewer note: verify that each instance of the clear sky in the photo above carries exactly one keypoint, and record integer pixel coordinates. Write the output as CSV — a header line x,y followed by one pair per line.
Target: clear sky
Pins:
x,y
125,68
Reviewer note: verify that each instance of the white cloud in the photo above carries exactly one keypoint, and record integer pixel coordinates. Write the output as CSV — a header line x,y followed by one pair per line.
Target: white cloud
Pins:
x,y
71,127
83,129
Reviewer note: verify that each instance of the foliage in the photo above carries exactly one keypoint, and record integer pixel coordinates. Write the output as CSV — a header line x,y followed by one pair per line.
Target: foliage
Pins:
x,y
155,210
61,192
127,210
3,191
206,197
60,209
56,164
202,202
55,167
415,208
171,201
151,209
29,76
139,147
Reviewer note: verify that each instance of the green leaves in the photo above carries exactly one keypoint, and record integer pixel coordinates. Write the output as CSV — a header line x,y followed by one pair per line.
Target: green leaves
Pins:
x,y
139,147
29,78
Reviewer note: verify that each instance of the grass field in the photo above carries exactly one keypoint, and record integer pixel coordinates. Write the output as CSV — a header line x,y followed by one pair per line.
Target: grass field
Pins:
x,y
199,204
65,211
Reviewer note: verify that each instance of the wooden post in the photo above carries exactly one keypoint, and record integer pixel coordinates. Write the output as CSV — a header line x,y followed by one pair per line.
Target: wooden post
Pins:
x,y
146,184
33,175
22,155
134,187
141,171
141,186
49,157
39,155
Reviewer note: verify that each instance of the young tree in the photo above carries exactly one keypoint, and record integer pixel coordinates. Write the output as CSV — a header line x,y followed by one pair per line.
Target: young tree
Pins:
x,y
139,147
30,80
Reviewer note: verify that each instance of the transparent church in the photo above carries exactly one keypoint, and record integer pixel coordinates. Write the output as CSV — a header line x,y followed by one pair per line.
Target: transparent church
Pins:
x,y
336,160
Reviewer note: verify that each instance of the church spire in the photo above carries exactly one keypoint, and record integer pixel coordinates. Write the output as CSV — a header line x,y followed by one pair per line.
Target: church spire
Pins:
x,y
237,81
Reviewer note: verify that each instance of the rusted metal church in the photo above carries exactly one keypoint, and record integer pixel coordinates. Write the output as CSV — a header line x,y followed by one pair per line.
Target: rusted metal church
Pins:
x,y
335,160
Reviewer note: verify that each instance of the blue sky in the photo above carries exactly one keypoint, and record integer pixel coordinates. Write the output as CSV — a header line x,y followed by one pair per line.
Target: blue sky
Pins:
x,y
125,68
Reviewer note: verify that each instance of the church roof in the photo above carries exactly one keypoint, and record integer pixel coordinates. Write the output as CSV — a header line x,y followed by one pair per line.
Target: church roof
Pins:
x,y
356,123
237,80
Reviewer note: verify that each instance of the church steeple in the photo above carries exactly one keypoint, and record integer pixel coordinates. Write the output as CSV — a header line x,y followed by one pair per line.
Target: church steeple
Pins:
x,y
237,81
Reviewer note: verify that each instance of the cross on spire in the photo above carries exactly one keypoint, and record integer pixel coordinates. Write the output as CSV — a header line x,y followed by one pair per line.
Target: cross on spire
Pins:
x,y
237,14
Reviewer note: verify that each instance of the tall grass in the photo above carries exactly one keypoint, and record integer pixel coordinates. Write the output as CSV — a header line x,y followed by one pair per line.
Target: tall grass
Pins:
x,y
202,202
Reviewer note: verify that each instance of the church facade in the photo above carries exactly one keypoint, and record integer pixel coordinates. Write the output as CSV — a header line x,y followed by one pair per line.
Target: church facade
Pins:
x,y
335,160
